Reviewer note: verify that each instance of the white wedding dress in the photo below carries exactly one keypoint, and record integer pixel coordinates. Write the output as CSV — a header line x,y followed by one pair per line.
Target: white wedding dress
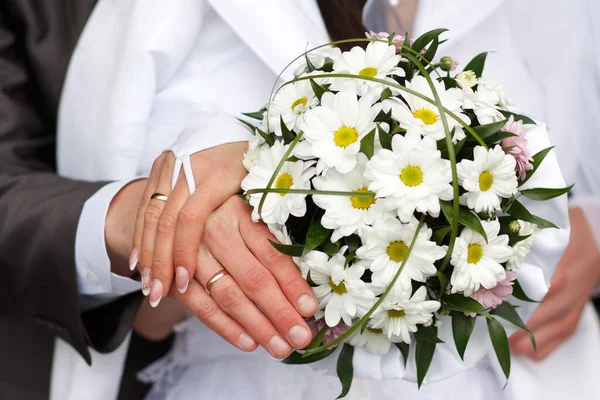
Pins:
x,y
155,76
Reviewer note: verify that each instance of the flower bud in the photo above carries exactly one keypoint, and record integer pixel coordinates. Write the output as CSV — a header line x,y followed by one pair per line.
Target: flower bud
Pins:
x,y
448,63
467,78
514,226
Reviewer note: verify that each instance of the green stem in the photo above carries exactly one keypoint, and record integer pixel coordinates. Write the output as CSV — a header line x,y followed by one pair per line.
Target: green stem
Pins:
x,y
366,317
313,192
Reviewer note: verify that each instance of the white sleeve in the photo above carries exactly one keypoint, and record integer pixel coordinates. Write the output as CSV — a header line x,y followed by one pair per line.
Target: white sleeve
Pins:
x,y
94,276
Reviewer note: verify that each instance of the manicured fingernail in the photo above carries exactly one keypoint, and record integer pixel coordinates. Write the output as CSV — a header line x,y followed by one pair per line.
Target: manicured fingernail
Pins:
x,y
182,279
146,281
246,342
133,258
156,293
307,305
278,346
299,335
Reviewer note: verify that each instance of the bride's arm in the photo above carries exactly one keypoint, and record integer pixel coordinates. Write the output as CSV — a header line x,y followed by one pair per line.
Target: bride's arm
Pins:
x,y
157,323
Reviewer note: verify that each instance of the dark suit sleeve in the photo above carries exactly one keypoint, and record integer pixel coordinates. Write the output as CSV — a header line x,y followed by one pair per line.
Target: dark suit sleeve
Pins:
x,y
39,213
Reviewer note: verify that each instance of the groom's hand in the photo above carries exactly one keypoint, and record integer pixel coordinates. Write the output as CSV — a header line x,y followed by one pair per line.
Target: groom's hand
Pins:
x,y
574,281
264,299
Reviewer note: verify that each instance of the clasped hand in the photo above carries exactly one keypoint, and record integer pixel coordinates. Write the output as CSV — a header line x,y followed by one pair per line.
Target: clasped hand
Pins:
x,y
186,240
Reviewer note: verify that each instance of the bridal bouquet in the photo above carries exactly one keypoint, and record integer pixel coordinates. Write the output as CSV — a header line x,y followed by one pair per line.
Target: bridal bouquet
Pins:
x,y
395,183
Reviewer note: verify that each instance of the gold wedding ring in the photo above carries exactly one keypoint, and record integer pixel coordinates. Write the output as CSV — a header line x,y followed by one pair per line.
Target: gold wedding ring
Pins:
x,y
213,279
159,196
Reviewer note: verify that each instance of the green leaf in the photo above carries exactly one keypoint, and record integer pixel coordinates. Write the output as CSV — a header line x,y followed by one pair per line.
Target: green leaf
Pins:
x,y
294,250
537,160
462,327
318,339
500,344
519,293
309,65
476,64
428,333
367,144
459,145
268,138
432,49
386,94
353,242
545,193
518,210
508,312
315,236
345,369
404,350
449,83
514,239
296,358
439,234
318,89
458,302
465,217
443,282
330,248
488,130
288,137
424,352
385,139
256,115
426,38
518,117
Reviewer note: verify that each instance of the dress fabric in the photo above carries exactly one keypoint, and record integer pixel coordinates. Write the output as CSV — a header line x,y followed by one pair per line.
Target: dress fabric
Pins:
x,y
204,78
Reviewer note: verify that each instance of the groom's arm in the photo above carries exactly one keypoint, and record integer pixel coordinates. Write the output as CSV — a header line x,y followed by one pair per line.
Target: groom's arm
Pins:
x,y
39,211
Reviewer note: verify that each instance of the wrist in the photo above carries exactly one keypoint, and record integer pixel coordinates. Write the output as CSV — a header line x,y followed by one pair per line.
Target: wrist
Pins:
x,y
120,224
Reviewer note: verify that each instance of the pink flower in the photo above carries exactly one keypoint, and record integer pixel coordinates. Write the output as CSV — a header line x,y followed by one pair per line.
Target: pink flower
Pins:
x,y
398,40
492,298
518,146
332,333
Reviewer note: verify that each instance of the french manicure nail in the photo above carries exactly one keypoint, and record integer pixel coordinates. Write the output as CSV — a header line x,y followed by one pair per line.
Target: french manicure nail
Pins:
x,y
307,305
133,258
246,342
278,346
182,279
299,335
146,281
156,293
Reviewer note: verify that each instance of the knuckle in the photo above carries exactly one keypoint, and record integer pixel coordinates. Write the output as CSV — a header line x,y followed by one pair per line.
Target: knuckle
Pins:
x,y
160,266
256,280
166,223
189,216
231,297
293,282
271,256
206,310
152,214
285,316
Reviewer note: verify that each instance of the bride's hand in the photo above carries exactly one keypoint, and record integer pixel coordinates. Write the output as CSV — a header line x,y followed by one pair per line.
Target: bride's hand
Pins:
x,y
168,235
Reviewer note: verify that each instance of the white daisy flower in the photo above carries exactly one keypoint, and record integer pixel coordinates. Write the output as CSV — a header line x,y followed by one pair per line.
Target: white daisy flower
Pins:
x,y
412,176
419,116
385,246
255,145
399,314
318,59
466,79
477,263
340,291
290,104
293,175
379,60
486,102
346,215
487,179
333,131
371,339
522,248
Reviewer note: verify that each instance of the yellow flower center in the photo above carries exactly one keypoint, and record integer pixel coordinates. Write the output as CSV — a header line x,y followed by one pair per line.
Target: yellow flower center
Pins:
x,y
474,253
284,181
362,203
301,100
485,181
374,330
368,72
338,289
396,313
397,251
425,115
411,176
345,136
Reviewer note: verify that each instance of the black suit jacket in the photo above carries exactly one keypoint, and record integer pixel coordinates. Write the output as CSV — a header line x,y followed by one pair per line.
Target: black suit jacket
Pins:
x,y
39,211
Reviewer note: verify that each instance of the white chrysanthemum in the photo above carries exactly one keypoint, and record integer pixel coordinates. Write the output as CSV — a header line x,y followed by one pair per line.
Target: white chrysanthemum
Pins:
x,y
487,101
419,116
255,144
371,339
412,176
487,179
346,215
333,131
379,60
522,248
293,175
340,291
477,263
290,104
319,58
385,246
399,314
